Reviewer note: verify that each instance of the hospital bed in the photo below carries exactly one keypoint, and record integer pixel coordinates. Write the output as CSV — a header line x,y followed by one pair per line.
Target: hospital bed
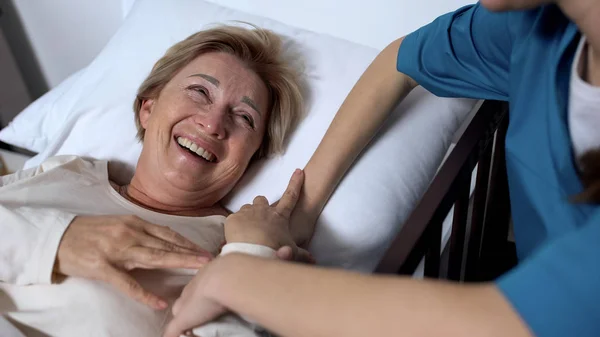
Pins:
x,y
435,220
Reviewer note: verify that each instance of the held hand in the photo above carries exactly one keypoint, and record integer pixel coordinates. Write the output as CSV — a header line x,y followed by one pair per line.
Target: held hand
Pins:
x,y
194,308
106,247
268,225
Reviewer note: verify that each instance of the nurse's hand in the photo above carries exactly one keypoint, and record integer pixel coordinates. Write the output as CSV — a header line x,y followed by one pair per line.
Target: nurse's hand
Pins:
x,y
194,307
106,247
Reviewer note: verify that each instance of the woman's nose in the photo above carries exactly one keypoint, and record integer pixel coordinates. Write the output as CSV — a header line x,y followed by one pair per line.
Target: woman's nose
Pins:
x,y
212,123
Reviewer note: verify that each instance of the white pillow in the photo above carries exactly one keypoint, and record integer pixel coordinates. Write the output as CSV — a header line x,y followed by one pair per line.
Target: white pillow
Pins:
x,y
34,128
372,201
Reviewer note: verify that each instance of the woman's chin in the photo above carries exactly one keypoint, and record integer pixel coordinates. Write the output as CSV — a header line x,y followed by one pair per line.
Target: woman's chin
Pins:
x,y
186,181
188,171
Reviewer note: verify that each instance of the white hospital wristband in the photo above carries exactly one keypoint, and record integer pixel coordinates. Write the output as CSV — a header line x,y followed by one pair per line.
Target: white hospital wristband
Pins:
x,y
250,249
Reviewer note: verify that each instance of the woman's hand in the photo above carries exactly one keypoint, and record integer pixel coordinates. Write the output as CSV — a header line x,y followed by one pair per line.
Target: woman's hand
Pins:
x,y
106,247
268,225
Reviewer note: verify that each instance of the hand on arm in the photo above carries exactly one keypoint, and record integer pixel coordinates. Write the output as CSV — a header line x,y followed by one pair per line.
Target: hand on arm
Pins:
x,y
106,247
361,115
268,225
258,224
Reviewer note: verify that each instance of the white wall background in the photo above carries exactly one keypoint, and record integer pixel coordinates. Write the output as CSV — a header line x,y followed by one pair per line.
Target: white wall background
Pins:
x,y
67,34
373,23
13,92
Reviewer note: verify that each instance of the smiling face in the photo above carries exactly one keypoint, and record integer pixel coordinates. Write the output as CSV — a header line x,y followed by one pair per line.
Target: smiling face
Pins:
x,y
205,125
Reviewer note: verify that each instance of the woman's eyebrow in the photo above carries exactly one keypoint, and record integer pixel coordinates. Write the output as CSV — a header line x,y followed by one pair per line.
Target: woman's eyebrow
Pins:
x,y
209,78
251,103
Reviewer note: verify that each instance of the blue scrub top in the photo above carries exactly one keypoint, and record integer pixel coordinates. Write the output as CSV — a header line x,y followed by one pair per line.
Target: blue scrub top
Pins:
x,y
525,58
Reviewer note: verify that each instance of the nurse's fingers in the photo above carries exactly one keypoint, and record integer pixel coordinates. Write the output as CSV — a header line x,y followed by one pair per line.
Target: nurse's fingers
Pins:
x,y
260,200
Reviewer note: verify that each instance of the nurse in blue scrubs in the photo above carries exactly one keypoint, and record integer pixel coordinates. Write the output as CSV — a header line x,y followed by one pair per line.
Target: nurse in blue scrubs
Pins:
x,y
544,58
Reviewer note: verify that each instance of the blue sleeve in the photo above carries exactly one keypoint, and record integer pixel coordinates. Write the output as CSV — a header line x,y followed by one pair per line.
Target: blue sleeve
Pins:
x,y
461,54
557,290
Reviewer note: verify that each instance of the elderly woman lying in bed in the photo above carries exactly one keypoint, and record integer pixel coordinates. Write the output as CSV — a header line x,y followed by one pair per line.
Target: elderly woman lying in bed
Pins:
x,y
83,256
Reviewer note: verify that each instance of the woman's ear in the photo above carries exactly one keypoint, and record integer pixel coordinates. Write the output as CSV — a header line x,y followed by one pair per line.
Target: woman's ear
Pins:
x,y
145,112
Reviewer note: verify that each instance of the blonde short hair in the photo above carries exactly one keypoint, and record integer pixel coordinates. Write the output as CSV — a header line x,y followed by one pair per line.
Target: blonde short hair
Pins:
x,y
261,51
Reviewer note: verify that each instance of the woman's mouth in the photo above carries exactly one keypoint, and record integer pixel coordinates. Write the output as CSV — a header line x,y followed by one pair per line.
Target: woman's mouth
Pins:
x,y
196,149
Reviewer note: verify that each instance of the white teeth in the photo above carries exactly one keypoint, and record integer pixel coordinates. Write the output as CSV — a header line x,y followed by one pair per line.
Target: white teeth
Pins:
x,y
195,148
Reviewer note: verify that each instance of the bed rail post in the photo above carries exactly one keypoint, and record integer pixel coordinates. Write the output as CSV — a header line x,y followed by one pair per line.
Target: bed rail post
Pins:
x,y
421,234
492,258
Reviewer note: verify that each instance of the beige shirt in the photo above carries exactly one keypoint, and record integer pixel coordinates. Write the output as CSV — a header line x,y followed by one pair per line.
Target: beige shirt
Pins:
x,y
36,206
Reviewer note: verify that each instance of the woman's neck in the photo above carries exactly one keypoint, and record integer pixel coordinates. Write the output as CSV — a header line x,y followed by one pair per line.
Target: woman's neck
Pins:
x,y
168,201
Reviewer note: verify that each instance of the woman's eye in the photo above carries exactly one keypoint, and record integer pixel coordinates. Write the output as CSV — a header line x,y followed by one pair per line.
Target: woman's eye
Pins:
x,y
248,120
202,91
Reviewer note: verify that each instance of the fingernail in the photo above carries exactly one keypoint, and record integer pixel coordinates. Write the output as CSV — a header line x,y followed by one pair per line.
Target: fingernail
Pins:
x,y
162,304
203,259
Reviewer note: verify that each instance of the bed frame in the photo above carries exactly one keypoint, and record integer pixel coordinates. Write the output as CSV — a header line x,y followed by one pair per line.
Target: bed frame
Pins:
x,y
479,247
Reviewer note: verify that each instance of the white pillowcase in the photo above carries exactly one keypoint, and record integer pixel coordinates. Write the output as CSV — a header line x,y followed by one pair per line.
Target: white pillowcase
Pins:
x,y
377,195
36,125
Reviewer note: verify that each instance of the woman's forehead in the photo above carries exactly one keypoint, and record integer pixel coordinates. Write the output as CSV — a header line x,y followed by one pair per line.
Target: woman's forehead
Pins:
x,y
222,70
225,72
218,63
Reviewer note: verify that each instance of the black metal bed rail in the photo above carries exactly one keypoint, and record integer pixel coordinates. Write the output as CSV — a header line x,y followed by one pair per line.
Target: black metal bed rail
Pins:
x,y
471,241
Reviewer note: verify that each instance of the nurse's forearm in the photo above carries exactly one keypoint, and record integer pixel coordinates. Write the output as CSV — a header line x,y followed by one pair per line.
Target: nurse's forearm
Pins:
x,y
300,301
371,100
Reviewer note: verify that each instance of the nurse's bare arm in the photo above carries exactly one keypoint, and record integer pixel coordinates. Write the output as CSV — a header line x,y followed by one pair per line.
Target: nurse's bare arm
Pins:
x,y
359,118
303,301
